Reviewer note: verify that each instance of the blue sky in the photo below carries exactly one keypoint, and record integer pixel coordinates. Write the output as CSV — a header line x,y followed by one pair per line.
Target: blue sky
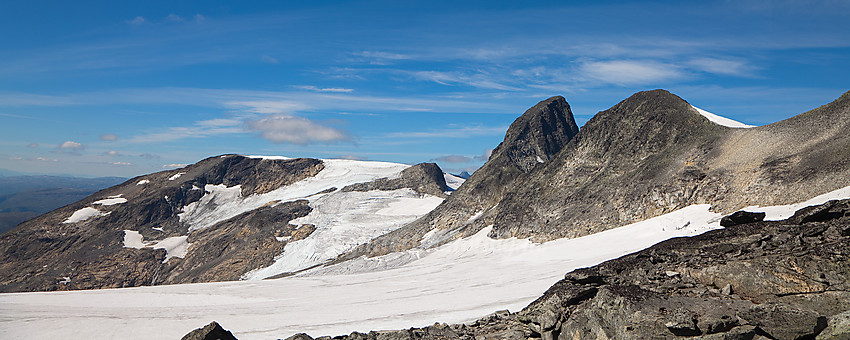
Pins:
x,y
111,88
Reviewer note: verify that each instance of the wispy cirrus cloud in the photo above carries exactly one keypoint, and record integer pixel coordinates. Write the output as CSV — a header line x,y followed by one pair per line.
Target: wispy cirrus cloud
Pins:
x,y
323,89
462,132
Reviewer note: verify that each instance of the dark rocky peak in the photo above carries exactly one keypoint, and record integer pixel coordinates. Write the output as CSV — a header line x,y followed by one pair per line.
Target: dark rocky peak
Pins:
x,y
255,175
539,134
644,123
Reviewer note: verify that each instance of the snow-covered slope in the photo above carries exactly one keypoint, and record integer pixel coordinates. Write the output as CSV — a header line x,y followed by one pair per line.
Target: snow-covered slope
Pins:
x,y
457,282
719,120
223,202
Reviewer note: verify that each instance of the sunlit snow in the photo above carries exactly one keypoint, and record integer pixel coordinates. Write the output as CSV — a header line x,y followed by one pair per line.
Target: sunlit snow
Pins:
x,y
176,176
222,202
452,181
175,246
721,120
458,282
84,214
143,182
111,200
345,220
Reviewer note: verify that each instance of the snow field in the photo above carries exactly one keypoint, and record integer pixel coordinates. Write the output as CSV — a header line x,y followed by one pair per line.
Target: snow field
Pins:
x,y
222,203
346,220
84,214
722,120
175,246
457,282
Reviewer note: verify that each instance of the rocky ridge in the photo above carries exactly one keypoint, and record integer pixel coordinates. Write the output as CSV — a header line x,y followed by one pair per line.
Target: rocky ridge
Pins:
x,y
650,154
536,136
758,280
89,249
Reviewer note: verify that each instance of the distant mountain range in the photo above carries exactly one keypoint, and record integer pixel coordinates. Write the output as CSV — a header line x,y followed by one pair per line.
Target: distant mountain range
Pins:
x,y
25,197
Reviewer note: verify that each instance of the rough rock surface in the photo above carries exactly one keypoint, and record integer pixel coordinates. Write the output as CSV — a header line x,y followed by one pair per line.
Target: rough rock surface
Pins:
x,y
213,331
650,154
536,136
424,178
761,280
41,253
248,241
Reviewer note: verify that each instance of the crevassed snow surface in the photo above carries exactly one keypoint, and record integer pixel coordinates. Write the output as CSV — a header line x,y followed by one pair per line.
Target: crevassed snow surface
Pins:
x,y
222,203
721,120
457,282
84,214
345,220
175,246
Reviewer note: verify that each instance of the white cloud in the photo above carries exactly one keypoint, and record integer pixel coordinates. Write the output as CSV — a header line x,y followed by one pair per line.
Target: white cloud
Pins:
x,y
350,157
463,132
454,159
71,145
112,153
326,89
722,66
478,80
284,128
139,20
110,137
204,128
32,145
268,106
268,59
173,18
630,72
174,165
121,163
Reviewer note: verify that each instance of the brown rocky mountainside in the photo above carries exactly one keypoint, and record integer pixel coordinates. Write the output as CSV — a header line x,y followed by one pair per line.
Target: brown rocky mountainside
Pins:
x,y
651,154
759,280
536,136
55,252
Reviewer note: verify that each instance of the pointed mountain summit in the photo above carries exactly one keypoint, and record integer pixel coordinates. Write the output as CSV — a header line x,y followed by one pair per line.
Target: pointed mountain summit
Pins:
x,y
539,134
534,138
650,154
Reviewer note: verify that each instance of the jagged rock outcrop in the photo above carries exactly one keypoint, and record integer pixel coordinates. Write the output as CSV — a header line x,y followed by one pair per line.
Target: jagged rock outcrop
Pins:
x,y
213,331
650,154
57,252
536,136
425,178
760,280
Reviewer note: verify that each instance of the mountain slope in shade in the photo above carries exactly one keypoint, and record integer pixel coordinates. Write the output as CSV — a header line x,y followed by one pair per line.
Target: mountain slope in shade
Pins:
x,y
650,154
215,220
